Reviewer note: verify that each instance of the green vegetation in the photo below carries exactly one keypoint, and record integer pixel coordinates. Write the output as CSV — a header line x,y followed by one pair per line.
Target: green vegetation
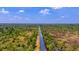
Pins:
x,y
18,37
61,37
22,37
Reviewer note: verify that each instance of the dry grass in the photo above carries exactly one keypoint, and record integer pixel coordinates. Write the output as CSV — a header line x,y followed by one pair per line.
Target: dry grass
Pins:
x,y
21,38
37,44
29,34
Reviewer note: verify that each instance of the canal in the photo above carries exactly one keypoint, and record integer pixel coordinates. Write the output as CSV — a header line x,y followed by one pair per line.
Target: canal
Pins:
x,y
42,44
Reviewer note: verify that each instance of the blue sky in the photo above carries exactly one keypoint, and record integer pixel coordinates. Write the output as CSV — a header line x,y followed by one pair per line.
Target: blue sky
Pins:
x,y
39,14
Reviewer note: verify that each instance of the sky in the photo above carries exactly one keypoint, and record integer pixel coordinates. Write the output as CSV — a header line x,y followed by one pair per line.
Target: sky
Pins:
x,y
37,15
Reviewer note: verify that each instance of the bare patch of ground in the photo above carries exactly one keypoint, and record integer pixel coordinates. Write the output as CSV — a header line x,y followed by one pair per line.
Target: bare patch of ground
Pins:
x,y
37,43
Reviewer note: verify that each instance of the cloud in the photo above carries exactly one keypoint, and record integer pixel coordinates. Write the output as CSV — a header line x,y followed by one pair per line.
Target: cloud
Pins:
x,y
62,16
21,11
4,11
56,8
44,11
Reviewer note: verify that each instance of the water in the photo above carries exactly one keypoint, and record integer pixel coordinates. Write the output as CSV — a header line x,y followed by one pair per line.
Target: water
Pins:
x,y
42,44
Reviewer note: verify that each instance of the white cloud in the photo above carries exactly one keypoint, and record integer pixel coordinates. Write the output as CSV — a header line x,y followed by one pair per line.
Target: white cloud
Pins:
x,y
56,8
44,11
4,11
21,11
62,16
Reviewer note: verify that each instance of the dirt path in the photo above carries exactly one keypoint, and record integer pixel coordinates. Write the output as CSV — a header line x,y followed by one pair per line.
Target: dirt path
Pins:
x,y
37,43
